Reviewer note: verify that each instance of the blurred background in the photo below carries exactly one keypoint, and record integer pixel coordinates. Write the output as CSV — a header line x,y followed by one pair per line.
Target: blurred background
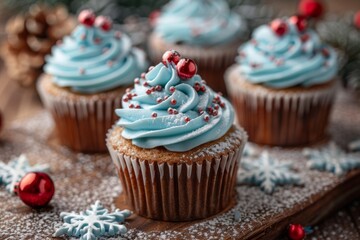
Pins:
x,y
28,29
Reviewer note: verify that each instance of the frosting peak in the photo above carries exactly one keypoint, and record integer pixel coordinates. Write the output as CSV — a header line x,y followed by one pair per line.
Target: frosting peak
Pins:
x,y
179,114
286,54
94,58
199,22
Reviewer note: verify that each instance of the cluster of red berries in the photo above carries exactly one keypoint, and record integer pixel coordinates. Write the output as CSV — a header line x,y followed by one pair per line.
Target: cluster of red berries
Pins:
x,y
88,18
186,68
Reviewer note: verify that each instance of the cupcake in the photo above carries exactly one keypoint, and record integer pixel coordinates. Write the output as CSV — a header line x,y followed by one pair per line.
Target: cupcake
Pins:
x,y
284,84
175,146
206,31
84,79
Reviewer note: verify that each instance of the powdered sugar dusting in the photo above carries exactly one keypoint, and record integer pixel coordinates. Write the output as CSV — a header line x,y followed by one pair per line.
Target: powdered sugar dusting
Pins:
x,y
81,179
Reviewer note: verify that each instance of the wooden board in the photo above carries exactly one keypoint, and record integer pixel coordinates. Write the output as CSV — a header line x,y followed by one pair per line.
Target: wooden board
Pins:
x,y
81,179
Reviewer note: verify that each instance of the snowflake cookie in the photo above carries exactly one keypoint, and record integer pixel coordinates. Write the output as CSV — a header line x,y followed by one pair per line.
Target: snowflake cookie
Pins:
x,y
93,223
12,172
267,172
331,158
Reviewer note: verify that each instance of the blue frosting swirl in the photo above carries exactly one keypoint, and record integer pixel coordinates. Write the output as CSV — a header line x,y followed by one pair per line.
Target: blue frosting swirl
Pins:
x,y
91,60
164,110
296,58
199,22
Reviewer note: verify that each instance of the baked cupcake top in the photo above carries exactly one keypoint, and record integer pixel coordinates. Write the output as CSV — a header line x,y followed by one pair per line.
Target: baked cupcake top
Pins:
x,y
171,106
95,57
285,53
199,22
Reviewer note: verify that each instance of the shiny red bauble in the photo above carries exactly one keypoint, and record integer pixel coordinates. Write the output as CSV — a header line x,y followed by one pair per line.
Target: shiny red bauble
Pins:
x,y
296,232
357,20
103,23
87,17
279,27
299,21
186,68
311,8
171,56
35,189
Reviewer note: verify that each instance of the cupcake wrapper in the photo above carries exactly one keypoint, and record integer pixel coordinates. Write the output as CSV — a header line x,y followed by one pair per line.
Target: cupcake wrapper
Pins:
x,y
283,119
211,61
81,124
177,192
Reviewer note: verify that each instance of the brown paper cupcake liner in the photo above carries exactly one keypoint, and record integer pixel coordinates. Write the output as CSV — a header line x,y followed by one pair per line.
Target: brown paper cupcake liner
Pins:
x,y
177,192
81,122
281,117
212,61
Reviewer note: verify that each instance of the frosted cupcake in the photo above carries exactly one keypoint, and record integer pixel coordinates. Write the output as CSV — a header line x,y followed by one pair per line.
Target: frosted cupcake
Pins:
x,y
86,75
284,84
175,146
206,31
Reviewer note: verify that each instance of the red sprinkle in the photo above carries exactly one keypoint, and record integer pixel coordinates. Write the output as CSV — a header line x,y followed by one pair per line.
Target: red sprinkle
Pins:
x,y
158,88
143,75
197,86
215,113
125,99
131,105
172,89
203,89
173,101
222,105
137,81
175,111
159,100
187,119
145,84
137,106
170,110
325,52
216,107
206,118
148,92
154,115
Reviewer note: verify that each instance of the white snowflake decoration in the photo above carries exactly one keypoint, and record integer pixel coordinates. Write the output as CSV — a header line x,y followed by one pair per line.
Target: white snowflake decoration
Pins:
x,y
267,172
12,172
93,223
332,159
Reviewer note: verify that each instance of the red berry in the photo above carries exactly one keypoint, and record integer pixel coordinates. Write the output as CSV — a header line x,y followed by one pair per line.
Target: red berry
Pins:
x,y
170,110
197,86
279,27
296,232
311,8
159,100
137,106
187,119
131,105
87,17
145,84
175,111
357,20
299,21
137,81
206,118
186,68
215,113
103,23
148,92
171,56
158,88
173,101
125,99
154,115
35,189
203,88
172,89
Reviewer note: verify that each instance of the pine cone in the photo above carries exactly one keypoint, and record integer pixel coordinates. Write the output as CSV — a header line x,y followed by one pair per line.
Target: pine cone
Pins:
x,y
29,39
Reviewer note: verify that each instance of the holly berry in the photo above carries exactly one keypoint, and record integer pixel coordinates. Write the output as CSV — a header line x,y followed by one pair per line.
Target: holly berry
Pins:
x,y
171,56
300,22
186,68
296,232
87,17
35,189
357,20
279,27
103,23
311,8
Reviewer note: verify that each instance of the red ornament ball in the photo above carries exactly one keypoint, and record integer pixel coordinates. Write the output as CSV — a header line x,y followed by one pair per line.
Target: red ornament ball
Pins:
x,y
357,20
296,232
87,17
35,189
311,8
299,21
279,27
186,68
171,56
103,23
